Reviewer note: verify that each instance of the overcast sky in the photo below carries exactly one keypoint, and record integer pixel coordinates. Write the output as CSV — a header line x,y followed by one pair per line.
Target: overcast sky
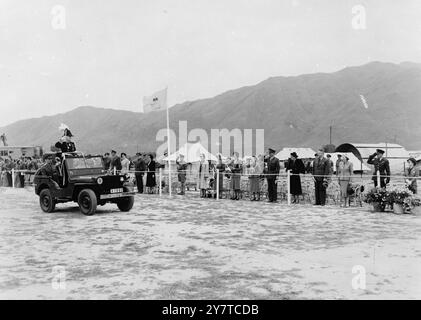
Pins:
x,y
112,53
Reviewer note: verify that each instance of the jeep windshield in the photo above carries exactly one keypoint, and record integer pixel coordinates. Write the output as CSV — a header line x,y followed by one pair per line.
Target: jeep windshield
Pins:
x,y
84,166
84,163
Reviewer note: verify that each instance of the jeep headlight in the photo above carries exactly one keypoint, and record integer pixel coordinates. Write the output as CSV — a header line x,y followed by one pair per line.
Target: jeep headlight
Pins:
x,y
121,179
99,180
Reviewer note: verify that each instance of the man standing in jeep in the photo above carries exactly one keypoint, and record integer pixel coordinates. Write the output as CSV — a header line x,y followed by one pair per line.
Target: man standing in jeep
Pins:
x,y
65,144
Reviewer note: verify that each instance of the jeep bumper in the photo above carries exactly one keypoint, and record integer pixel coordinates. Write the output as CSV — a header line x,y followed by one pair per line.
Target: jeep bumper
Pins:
x,y
116,195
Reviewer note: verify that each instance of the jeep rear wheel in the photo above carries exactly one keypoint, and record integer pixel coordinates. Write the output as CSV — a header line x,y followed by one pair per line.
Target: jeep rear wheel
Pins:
x,y
125,204
87,202
46,201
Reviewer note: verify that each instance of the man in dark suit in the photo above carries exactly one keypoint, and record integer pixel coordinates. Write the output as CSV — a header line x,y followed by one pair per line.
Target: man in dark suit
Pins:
x,y
272,172
115,161
107,161
321,176
337,163
140,167
381,164
329,158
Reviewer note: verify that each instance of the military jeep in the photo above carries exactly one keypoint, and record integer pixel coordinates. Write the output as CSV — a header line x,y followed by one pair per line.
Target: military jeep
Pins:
x,y
82,179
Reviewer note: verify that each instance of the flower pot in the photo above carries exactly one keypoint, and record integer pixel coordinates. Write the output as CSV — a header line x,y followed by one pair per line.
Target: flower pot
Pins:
x,y
398,208
378,207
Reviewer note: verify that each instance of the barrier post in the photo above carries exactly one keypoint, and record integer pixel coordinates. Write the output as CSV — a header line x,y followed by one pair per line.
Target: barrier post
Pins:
x,y
217,184
378,179
289,187
169,179
160,181
13,178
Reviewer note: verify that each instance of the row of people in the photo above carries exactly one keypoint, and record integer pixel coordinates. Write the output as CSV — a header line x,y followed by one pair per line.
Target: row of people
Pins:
x,y
255,168
23,167
143,164
268,166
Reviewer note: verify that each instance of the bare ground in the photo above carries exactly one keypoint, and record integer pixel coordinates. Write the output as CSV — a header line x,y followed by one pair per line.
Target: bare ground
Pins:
x,y
192,248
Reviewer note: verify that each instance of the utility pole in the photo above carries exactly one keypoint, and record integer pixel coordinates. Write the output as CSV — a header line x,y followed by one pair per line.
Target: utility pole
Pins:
x,y
330,134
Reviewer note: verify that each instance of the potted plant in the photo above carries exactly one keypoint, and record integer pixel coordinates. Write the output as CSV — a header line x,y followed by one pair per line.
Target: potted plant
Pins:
x,y
401,198
378,197
413,205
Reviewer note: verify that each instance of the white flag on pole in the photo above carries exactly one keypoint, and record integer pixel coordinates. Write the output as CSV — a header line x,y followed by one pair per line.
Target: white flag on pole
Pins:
x,y
155,102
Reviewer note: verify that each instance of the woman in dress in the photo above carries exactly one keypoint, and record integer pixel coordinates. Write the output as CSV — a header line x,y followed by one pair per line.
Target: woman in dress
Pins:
x,y
254,176
125,163
220,167
345,172
411,174
297,167
150,176
236,167
2,174
202,182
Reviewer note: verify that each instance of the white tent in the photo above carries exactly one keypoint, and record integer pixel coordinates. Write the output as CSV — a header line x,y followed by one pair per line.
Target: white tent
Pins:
x,y
303,153
356,163
191,152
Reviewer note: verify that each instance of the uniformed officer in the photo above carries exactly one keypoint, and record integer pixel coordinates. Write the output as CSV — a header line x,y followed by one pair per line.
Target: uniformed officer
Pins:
x,y
321,177
381,164
65,144
272,172
50,170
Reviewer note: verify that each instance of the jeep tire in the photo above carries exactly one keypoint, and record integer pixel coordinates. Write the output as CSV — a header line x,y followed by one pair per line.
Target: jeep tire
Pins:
x,y
87,202
125,204
46,201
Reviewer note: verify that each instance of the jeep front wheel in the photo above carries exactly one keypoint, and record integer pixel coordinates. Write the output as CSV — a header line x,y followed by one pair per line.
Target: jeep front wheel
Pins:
x,y
46,201
125,204
87,202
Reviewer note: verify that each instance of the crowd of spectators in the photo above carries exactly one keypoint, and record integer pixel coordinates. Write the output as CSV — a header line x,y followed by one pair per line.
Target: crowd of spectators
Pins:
x,y
144,168
23,167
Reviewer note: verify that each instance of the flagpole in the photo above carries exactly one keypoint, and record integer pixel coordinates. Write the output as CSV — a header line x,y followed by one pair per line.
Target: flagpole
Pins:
x,y
169,149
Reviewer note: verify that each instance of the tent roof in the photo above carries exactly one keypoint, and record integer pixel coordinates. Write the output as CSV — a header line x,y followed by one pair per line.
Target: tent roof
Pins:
x,y
356,163
302,153
191,152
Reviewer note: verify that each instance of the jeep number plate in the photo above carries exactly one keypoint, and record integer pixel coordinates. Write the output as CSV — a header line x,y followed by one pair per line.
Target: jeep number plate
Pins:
x,y
118,190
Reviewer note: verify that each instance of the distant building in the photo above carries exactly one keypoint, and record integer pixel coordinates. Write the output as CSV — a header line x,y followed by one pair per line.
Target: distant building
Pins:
x,y
396,153
19,151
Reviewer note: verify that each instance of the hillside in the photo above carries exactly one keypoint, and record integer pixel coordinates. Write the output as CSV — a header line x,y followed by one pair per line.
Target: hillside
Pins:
x,y
294,111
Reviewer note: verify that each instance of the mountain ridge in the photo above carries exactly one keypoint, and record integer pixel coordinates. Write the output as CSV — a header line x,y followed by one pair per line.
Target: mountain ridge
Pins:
x,y
293,110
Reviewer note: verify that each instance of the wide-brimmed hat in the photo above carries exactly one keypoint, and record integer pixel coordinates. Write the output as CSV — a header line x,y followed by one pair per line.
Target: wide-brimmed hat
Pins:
x,y
412,160
294,154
